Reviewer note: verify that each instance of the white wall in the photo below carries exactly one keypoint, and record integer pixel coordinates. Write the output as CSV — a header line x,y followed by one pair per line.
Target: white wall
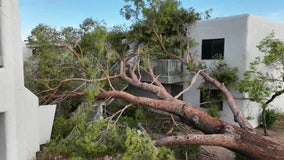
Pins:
x,y
18,106
27,123
234,31
46,114
258,28
8,78
242,34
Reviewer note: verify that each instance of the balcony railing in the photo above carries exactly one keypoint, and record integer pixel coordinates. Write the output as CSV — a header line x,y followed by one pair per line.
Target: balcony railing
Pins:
x,y
168,71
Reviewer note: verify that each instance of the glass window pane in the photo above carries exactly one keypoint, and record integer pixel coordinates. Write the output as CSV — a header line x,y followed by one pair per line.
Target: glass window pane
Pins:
x,y
213,48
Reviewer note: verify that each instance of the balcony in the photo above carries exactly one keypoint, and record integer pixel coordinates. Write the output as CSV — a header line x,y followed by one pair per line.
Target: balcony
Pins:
x,y
168,71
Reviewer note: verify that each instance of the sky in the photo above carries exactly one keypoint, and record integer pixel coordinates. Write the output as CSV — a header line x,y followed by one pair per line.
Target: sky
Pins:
x,y
62,13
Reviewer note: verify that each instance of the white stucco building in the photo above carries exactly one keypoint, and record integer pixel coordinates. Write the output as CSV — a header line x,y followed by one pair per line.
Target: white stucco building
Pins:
x,y
236,38
23,124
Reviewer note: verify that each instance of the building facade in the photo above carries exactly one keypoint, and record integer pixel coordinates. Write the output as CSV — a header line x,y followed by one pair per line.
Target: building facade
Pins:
x,y
21,118
235,38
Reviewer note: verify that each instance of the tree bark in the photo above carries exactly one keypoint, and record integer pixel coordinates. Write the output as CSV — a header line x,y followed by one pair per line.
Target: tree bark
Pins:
x,y
240,141
219,133
238,115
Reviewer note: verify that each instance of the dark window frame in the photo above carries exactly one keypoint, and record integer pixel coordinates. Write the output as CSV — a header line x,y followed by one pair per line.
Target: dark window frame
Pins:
x,y
212,48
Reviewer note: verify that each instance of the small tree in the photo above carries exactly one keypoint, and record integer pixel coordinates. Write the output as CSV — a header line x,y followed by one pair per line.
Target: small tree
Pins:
x,y
264,80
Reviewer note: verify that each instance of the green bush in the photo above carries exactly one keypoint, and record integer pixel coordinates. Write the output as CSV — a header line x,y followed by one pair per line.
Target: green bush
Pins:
x,y
193,152
271,117
139,146
190,152
95,140
214,111
62,127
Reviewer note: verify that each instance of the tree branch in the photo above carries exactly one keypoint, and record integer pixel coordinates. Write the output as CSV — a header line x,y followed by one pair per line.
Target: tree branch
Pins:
x,y
220,133
276,94
193,80
238,115
189,113
77,79
223,140
159,91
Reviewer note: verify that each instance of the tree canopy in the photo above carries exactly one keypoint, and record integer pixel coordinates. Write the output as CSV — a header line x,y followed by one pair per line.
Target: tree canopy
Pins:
x,y
160,26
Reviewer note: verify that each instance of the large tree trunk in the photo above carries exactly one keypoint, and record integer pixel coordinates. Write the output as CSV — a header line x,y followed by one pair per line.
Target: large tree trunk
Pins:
x,y
218,133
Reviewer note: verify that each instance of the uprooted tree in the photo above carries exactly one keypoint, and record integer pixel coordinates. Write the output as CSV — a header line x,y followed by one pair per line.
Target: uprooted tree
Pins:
x,y
92,63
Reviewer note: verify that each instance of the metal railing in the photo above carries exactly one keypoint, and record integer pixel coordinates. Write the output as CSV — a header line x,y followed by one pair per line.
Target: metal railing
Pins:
x,y
168,71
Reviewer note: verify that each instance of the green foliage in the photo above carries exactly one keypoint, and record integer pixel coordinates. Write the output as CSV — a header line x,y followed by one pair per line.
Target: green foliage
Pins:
x,y
190,152
264,77
64,54
141,115
160,25
212,98
224,73
89,140
264,80
139,146
117,38
270,117
193,152
68,61
256,83
214,110
129,121
273,49
165,153
62,127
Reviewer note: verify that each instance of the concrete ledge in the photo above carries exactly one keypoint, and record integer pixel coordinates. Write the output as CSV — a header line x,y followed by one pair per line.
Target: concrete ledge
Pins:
x,y
46,117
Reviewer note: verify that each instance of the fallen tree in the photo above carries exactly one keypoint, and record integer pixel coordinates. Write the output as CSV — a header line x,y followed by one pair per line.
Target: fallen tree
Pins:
x,y
67,67
217,132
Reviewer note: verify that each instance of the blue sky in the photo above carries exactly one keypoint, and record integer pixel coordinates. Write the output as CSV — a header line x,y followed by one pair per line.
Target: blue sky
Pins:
x,y
58,13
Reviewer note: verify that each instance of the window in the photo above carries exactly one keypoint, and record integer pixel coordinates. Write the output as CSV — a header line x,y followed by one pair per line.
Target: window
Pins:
x,y
213,48
211,98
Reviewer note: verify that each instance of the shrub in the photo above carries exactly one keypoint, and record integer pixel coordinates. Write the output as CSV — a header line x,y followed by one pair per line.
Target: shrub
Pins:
x,y
104,138
271,117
